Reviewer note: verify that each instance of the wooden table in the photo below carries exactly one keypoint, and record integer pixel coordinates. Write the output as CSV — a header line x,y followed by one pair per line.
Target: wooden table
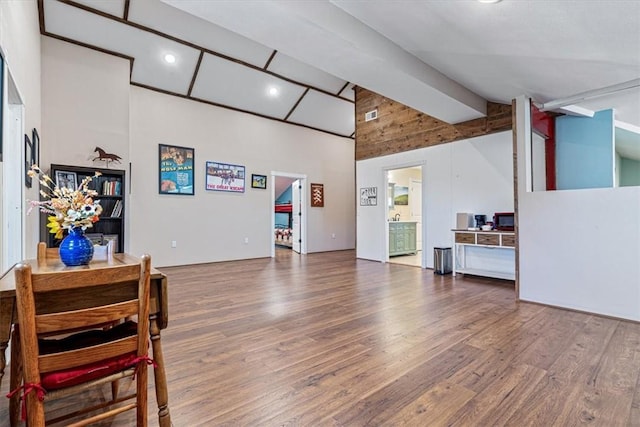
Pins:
x,y
158,315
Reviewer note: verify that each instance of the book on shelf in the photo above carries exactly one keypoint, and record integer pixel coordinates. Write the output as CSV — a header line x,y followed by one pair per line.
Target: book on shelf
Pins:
x,y
111,187
117,209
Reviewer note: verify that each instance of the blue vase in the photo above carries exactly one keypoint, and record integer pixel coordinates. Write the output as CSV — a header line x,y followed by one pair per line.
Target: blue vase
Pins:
x,y
76,248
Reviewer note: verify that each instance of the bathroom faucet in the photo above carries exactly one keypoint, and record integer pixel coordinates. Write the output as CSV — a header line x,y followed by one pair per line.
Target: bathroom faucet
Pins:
x,y
396,217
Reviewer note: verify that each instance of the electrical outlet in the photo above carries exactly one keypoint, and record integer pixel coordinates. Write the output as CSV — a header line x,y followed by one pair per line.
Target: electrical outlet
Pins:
x,y
174,244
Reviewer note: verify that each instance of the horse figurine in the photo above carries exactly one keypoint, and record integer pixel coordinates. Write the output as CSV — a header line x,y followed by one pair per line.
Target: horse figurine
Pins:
x,y
106,157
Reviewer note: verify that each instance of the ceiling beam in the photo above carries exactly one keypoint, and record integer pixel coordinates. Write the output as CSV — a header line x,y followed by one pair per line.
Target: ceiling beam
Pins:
x,y
326,37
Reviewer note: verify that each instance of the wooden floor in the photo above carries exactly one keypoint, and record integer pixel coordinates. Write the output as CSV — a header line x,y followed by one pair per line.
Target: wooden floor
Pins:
x,y
328,340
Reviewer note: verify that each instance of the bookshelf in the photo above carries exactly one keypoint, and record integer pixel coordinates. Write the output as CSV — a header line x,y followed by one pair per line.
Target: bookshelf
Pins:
x,y
111,189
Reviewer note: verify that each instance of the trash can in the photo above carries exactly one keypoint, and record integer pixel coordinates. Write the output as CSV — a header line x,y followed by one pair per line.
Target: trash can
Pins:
x,y
442,260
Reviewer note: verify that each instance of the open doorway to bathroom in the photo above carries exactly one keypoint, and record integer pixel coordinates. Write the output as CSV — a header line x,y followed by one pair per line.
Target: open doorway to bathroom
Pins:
x,y
404,204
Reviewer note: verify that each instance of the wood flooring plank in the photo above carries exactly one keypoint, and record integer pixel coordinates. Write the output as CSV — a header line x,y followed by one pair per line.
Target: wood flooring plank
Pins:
x,y
568,377
501,399
389,400
434,407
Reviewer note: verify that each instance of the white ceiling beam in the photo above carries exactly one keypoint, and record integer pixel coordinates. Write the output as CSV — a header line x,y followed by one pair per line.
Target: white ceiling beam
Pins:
x,y
627,126
574,110
328,38
580,97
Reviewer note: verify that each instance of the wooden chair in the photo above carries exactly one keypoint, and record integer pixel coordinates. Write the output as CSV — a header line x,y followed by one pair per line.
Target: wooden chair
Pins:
x,y
15,380
58,367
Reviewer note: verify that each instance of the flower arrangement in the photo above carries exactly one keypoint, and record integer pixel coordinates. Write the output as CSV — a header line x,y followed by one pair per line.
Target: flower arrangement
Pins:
x,y
68,208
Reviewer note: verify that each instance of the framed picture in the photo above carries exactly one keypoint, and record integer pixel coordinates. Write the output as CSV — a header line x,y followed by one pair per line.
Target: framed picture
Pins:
x,y
96,238
35,151
28,160
66,179
225,177
106,238
258,181
317,195
401,196
369,196
176,170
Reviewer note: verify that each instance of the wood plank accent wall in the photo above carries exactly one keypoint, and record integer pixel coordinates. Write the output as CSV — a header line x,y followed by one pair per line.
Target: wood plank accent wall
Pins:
x,y
400,128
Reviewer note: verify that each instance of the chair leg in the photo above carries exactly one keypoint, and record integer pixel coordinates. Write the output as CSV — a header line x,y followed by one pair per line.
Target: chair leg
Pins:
x,y
15,379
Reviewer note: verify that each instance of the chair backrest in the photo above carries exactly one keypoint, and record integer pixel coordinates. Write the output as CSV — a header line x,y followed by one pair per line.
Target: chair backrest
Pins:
x,y
44,252
102,251
86,298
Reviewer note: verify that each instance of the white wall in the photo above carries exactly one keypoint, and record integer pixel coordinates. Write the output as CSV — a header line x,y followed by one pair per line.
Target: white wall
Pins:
x,y
87,101
579,249
85,96
212,225
20,42
473,175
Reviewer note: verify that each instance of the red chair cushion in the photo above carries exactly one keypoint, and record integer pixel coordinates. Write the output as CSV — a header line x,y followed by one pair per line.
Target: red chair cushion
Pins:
x,y
92,371
82,374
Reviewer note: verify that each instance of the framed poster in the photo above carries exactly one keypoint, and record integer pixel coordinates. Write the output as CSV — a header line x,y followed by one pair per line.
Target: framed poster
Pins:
x,y
258,181
317,195
224,177
176,170
369,196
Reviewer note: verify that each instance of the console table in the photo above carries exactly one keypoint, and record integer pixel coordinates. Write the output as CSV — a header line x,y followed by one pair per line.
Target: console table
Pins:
x,y
485,253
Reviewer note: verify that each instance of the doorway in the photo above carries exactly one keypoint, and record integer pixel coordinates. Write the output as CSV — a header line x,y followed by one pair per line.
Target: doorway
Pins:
x,y
404,219
289,214
13,202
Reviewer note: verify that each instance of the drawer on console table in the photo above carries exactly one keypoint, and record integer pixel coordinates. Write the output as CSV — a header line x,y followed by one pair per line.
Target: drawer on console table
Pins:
x,y
508,240
488,239
466,238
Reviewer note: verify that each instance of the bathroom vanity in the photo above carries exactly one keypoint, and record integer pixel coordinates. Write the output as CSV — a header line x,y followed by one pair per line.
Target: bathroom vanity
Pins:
x,y
402,237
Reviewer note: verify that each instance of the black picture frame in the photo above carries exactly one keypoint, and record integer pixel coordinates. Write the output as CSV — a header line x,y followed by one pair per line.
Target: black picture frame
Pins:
x,y
176,170
66,179
35,152
258,181
28,160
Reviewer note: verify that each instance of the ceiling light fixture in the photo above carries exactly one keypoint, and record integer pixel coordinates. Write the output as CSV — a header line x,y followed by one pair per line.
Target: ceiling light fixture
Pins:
x,y
489,1
170,58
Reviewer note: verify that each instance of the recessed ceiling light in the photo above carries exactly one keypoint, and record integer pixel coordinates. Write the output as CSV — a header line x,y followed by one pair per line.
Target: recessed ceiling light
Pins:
x,y
489,1
170,58
273,91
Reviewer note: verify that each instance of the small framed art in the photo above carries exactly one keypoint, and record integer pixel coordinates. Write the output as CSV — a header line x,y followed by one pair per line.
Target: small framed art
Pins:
x,y
66,179
28,160
258,181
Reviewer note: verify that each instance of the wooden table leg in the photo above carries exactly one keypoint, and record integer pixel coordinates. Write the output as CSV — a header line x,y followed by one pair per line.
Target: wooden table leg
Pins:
x,y
162,395
15,378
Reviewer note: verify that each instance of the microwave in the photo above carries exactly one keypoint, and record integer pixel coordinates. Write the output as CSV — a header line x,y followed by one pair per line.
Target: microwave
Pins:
x,y
504,221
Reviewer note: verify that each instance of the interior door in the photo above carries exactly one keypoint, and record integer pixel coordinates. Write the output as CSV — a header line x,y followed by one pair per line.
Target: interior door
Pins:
x,y
296,212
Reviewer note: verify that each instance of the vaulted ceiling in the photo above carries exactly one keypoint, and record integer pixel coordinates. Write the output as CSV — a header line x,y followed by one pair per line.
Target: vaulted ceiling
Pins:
x,y
297,61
